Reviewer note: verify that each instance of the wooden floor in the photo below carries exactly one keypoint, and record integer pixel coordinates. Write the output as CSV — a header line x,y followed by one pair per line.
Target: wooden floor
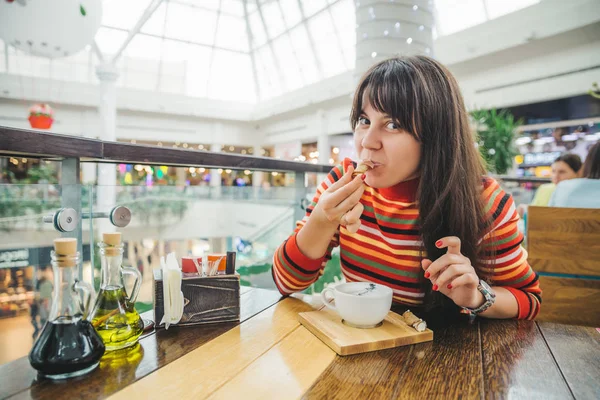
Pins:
x,y
270,355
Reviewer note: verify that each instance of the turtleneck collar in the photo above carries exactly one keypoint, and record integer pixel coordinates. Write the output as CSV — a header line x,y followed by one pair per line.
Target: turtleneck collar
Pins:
x,y
405,191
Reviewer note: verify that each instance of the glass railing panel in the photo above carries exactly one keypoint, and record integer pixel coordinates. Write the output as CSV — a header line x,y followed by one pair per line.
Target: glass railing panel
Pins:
x,y
187,220
26,277
190,220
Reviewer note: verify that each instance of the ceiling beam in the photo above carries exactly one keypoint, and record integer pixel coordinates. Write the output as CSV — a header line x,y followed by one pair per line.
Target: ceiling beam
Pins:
x,y
275,58
97,51
293,46
302,21
311,40
136,29
339,39
211,57
252,58
172,39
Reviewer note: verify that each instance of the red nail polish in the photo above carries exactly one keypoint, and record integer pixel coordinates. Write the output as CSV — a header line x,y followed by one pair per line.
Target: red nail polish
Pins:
x,y
449,286
427,274
435,287
363,177
439,243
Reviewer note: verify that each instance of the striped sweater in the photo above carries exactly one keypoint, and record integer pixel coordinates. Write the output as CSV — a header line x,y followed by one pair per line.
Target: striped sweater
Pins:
x,y
387,247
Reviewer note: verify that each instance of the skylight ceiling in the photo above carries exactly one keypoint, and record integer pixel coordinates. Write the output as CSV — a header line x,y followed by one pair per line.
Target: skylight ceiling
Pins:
x,y
242,50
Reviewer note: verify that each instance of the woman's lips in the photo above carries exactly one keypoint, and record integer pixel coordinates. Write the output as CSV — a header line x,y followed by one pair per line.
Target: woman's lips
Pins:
x,y
370,163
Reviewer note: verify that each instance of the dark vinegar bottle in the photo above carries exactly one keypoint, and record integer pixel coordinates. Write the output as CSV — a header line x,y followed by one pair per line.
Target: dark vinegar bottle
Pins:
x,y
68,345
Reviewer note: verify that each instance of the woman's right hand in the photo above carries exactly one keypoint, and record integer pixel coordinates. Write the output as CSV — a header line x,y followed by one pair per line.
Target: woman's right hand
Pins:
x,y
340,203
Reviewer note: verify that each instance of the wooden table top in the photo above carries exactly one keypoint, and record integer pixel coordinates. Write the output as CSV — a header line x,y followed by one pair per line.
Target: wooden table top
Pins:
x,y
270,355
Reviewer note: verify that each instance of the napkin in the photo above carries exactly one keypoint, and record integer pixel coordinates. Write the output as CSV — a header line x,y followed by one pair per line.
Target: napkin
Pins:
x,y
172,294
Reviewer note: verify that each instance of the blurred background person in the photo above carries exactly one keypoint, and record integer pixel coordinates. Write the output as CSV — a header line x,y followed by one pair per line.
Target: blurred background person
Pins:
x,y
567,166
583,192
44,290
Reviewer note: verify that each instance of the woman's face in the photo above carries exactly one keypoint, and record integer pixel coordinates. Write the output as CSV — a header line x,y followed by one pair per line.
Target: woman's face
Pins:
x,y
394,153
562,172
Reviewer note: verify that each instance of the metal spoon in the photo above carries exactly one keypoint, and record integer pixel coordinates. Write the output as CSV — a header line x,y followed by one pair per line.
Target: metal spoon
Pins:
x,y
367,290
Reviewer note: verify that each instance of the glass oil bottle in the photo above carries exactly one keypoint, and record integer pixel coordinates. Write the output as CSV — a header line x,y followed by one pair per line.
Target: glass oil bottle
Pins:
x,y
114,316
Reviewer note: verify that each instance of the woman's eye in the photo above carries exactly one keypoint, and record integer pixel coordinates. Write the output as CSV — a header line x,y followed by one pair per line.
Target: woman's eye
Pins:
x,y
363,121
392,125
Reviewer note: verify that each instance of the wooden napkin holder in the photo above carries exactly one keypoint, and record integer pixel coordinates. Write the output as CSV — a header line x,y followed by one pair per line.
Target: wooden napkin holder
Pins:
x,y
207,299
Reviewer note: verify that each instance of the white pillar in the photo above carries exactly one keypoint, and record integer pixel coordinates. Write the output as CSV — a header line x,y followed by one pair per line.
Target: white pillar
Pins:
x,y
181,174
323,142
217,244
323,145
107,173
392,28
324,148
215,176
258,177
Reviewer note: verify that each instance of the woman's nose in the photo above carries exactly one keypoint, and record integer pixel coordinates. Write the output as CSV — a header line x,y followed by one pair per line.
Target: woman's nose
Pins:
x,y
371,139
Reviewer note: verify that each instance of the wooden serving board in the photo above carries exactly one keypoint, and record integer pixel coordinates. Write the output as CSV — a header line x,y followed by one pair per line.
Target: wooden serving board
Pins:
x,y
327,325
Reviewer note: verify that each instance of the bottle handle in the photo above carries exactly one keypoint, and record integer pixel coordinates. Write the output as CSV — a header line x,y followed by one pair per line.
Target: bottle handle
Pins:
x,y
136,285
86,288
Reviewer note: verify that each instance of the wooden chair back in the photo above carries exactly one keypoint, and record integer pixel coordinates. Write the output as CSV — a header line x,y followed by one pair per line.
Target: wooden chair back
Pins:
x,y
564,249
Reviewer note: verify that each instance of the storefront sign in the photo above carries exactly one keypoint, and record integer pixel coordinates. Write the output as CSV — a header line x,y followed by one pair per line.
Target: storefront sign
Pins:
x,y
35,256
537,159
14,258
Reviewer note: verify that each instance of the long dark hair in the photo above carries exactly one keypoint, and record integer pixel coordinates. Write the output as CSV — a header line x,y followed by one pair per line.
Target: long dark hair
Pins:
x,y
572,160
424,99
591,167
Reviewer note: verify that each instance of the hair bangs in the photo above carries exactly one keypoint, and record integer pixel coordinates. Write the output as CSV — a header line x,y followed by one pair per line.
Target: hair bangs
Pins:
x,y
389,90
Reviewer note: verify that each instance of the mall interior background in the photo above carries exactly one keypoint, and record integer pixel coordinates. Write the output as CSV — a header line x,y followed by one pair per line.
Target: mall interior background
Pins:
x,y
261,78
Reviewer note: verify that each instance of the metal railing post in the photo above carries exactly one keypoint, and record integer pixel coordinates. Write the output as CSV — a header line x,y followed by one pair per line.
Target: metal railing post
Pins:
x,y
300,196
71,198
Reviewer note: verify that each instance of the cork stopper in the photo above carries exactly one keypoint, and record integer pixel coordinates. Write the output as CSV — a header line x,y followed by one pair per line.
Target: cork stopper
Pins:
x,y
65,250
112,239
65,246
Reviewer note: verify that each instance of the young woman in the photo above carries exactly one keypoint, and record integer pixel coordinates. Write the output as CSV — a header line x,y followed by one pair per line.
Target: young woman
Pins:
x,y
565,167
581,193
424,220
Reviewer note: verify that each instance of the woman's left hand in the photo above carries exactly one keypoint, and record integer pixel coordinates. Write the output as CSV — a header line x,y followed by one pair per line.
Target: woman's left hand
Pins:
x,y
453,275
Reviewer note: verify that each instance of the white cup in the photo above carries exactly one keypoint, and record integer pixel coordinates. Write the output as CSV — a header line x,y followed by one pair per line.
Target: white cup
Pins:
x,y
360,304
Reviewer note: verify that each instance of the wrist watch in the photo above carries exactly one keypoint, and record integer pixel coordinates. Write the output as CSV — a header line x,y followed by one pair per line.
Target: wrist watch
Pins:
x,y
490,298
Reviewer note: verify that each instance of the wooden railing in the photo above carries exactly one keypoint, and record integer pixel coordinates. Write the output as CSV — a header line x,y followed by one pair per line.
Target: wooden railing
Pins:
x,y
71,151
33,144
519,179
